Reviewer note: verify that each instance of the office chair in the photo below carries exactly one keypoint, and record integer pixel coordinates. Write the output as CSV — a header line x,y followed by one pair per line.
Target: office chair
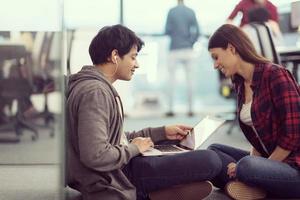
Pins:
x,y
17,89
261,36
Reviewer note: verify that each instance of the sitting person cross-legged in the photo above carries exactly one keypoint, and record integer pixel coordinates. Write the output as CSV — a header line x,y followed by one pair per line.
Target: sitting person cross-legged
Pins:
x,y
268,109
104,162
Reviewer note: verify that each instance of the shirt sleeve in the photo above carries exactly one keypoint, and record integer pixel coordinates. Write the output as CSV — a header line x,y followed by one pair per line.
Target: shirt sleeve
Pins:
x,y
285,94
169,25
194,29
235,11
273,13
93,127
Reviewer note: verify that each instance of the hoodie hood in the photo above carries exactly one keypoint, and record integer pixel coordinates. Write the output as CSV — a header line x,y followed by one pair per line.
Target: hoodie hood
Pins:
x,y
89,73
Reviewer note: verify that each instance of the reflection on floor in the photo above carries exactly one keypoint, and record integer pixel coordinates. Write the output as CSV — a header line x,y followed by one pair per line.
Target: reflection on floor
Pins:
x,y
34,182
44,150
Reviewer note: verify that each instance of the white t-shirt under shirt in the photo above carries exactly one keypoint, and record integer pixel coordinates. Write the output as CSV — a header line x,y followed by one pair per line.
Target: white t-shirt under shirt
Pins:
x,y
245,114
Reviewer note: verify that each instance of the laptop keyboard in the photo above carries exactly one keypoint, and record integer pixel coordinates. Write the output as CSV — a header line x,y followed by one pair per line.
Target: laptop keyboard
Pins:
x,y
166,148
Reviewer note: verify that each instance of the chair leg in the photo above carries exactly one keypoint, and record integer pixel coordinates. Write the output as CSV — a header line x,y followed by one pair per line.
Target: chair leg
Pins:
x,y
49,117
18,125
233,123
7,128
25,125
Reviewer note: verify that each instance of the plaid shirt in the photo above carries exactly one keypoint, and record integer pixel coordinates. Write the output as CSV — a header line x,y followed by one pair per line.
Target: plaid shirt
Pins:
x,y
275,111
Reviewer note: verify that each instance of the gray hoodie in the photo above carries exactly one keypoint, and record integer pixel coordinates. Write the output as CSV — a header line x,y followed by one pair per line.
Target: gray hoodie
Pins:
x,y
95,156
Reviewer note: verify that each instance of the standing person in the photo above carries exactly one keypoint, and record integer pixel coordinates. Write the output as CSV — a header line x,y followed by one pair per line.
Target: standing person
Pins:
x,y
103,162
244,6
268,101
183,29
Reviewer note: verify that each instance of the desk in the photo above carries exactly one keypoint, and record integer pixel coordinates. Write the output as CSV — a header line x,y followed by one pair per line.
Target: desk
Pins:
x,y
290,54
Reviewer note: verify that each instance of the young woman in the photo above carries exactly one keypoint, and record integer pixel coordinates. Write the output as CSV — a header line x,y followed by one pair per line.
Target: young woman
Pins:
x,y
268,107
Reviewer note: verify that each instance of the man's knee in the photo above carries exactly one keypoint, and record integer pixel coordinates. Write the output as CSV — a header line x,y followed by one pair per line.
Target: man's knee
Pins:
x,y
215,147
209,160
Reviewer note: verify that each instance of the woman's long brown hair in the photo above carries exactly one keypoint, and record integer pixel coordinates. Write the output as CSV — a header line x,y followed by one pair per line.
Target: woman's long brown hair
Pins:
x,y
228,33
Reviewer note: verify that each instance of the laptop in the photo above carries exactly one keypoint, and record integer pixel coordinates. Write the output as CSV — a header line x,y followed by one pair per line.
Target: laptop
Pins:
x,y
196,137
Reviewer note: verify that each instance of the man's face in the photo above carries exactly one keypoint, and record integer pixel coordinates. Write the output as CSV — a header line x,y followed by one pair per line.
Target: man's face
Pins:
x,y
127,64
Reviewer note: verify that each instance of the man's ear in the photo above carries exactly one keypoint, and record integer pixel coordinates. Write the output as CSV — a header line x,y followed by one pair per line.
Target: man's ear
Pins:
x,y
231,48
114,56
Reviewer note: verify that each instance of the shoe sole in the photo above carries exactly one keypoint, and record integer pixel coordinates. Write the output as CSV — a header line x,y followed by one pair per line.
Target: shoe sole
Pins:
x,y
241,191
191,191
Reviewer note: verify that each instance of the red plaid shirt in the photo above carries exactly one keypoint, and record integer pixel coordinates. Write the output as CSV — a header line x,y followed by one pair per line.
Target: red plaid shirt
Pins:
x,y
275,110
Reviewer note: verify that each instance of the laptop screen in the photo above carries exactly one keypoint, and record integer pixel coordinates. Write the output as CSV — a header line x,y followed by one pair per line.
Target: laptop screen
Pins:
x,y
201,132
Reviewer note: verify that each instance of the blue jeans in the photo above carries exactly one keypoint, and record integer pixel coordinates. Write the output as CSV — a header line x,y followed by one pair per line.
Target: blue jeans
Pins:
x,y
157,172
278,179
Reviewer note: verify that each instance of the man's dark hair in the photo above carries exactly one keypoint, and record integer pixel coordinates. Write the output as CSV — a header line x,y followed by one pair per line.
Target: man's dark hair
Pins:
x,y
113,37
258,14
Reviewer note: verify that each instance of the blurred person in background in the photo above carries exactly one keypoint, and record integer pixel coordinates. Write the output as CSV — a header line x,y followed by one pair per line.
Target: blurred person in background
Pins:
x,y
244,6
183,30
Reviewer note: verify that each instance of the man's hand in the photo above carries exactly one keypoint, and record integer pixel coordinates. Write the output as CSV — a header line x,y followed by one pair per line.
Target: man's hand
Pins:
x,y
177,132
231,170
142,143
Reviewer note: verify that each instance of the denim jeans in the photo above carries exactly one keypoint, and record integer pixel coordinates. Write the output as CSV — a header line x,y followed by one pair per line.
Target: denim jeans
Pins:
x,y
157,172
278,179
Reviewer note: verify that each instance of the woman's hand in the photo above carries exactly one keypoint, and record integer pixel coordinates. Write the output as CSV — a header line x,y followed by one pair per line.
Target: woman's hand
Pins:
x,y
231,170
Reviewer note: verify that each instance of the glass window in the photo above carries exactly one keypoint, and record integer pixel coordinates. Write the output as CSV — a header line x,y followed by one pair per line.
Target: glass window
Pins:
x,y
91,13
38,15
153,17
31,128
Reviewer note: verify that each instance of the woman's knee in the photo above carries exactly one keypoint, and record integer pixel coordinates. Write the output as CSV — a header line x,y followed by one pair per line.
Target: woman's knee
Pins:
x,y
247,168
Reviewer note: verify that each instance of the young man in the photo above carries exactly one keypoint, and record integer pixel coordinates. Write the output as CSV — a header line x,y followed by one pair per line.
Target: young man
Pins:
x,y
103,161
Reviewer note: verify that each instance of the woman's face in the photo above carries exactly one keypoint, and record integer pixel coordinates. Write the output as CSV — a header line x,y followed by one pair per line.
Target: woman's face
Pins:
x,y
225,60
